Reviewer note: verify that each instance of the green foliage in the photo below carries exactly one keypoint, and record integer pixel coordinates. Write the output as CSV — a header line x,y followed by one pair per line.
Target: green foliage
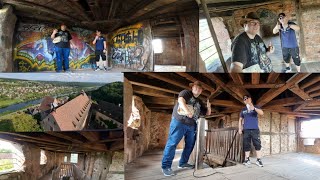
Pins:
x,y
112,93
6,164
19,122
5,151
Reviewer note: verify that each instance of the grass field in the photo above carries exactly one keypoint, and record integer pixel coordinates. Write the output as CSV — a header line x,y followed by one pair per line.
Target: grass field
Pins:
x,y
19,122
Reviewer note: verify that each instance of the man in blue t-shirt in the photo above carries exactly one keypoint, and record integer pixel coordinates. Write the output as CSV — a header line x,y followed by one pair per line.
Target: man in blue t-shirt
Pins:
x,y
248,123
101,49
289,42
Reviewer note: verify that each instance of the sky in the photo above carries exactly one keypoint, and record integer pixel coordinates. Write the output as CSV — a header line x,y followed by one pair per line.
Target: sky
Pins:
x,y
66,77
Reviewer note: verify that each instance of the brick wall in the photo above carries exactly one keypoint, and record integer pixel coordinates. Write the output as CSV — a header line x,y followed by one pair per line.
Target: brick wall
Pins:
x,y
171,52
310,20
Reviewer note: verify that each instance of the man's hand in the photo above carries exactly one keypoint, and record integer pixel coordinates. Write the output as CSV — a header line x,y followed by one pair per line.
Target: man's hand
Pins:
x,y
97,37
55,31
271,48
190,115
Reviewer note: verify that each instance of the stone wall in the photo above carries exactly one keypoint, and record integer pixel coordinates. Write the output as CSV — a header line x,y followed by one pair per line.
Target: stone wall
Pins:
x,y
277,131
136,125
7,25
310,29
171,54
160,125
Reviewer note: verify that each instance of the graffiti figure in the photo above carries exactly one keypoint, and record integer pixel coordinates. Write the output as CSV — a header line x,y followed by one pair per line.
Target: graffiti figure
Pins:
x,y
117,55
135,54
41,47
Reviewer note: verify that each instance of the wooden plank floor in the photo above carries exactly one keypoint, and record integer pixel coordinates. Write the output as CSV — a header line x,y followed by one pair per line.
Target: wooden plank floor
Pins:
x,y
293,166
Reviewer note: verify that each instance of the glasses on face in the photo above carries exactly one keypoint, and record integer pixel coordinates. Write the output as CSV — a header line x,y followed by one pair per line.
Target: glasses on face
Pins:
x,y
244,99
254,23
281,17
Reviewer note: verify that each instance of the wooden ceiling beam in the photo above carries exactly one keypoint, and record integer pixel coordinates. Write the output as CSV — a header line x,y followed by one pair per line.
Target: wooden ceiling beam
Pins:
x,y
312,88
310,82
62,136
74,5
285,102
152,92
272,78
36,8
272,93
153,87
226,103
315,94
193,79
138,7
295,89
158,100
237,78
90,135
223,85
255,78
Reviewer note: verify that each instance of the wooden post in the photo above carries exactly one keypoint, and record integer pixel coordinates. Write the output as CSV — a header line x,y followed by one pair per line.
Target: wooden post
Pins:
x,y
200,143
213,34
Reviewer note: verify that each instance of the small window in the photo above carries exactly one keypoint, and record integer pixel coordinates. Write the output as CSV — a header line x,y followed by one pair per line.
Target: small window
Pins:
x,y
43,157
157,46
74,158
310,129
65,158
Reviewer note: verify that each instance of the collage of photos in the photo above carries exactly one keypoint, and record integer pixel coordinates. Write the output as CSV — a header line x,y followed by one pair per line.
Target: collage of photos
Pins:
x,y
159,89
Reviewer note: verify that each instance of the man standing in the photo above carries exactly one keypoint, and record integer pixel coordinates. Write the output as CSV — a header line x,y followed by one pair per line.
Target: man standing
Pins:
x,y
101,49
184,124
62,47
249,53
248,123
289,42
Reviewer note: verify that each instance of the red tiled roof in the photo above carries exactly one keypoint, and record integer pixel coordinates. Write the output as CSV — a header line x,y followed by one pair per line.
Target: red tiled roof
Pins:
x,y
68,113
46,103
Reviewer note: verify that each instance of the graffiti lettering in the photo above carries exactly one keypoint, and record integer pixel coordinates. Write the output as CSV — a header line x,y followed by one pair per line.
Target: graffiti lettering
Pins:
x,y
31,27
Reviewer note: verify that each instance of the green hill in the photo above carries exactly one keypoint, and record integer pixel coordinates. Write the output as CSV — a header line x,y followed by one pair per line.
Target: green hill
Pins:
x,y
112,93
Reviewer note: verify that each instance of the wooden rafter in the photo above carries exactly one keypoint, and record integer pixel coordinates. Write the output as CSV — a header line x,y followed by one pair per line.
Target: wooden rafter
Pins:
x,y
193,79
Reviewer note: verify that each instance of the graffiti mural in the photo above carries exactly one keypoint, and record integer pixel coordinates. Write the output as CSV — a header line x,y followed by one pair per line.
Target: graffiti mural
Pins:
x,y
131,47
34,50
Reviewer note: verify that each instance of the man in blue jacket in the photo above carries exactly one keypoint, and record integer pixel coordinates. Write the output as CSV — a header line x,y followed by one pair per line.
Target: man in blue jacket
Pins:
x,y
289,42
248,125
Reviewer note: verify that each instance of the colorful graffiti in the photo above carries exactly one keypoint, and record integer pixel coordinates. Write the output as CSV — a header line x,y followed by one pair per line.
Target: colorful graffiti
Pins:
x,y
34,50
131,47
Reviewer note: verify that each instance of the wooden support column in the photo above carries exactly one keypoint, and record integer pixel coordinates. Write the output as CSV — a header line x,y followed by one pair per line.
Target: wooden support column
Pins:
x,y
213,34
190,25
200,143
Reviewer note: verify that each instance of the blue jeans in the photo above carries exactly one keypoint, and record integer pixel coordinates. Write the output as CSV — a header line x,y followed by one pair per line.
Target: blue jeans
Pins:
x,y
62,53
176,133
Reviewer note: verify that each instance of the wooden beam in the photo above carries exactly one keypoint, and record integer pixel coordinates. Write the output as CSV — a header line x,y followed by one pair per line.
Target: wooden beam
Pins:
x,y
312,88
272,78
151,92
192,79
138,7
295,89
237,78
258,86
226,103
90,135
315,94
153,87
62,136
220,83
158,100
310,81
240,91
74,5
285,102
272,93
255,78
36,7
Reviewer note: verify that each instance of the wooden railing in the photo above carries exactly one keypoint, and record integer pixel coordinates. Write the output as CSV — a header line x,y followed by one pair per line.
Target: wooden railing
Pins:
x,y
226,143
64,170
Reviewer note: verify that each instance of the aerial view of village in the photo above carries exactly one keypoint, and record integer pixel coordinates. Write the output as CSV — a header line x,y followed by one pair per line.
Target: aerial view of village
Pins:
x,y
28,105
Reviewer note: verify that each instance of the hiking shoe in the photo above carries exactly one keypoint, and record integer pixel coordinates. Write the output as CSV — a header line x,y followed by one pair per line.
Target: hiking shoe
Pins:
x,y
247,162
287,70
259,163
186,166
97,69
68,71
105,69
168,172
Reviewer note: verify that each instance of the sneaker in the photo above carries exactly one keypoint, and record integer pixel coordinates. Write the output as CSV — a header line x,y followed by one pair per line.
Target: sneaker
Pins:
x,y
105,69
187,166
68,71
168,172
259,163
97,69
247,162
287,70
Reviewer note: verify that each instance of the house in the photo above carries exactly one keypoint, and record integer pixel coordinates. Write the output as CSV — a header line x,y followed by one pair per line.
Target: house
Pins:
x,y
71,116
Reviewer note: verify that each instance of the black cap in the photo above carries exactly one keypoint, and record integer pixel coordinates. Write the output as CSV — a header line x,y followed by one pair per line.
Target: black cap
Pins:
x,y
246,96
282,14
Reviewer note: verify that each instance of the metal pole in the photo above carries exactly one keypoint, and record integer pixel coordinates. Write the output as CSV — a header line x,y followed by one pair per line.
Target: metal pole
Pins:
x,y
213,34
